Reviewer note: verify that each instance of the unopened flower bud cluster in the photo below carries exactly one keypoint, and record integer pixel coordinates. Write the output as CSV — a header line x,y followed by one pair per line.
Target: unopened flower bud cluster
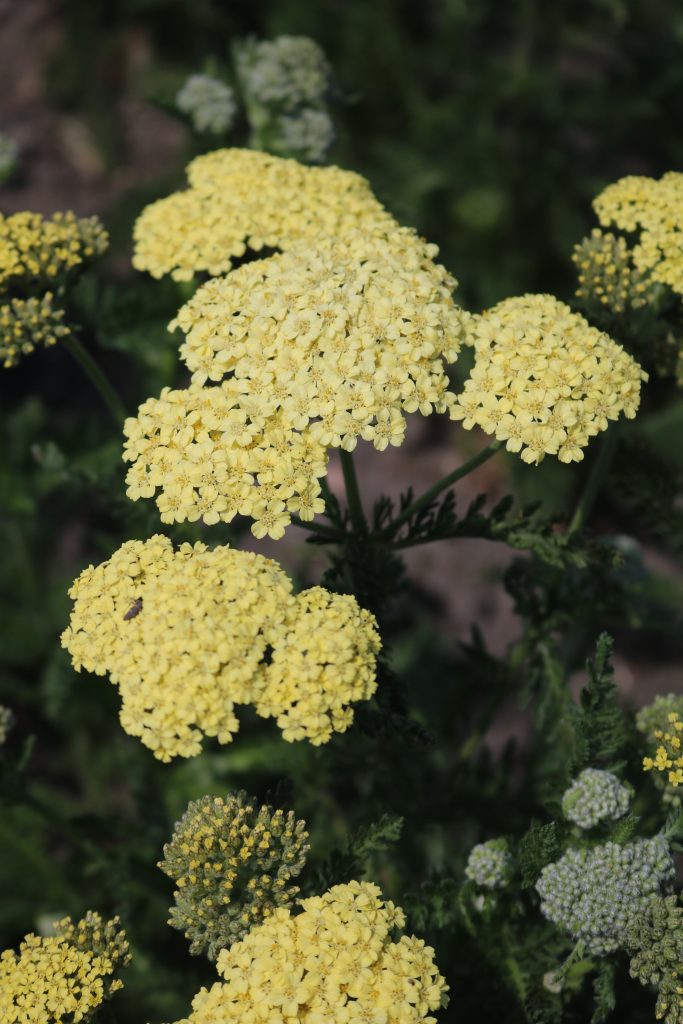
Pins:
x,y
656,945
596,895
233,864
489,864
209,103
595,797
37,255
285,82
606,273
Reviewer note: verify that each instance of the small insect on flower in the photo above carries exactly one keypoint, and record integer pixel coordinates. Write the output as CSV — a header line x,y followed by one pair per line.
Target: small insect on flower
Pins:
x,y
134,610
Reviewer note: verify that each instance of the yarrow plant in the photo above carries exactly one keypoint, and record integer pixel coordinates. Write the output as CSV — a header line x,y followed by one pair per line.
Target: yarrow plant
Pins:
x,y
307,319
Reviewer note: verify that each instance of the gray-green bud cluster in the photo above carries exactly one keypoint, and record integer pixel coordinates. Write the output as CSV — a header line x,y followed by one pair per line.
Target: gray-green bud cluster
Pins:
x,y
656,942
597,895
233,864
307,135
288,72
595,796
27,323
489,864
208,102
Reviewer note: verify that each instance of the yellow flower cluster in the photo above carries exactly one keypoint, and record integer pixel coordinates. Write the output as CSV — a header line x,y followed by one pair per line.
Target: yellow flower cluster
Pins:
x,y
185,636
607,275
233,863
64,977
669,755
25,323
545,381
335,961
313,348
32,246
654,207
242,199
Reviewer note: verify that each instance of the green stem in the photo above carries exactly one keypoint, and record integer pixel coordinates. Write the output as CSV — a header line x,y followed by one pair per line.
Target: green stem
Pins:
x,y
329,532
446,481
595,480
97,377
353,493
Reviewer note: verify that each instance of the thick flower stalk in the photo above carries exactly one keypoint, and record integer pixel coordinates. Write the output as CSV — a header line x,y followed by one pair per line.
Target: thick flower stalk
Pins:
x,y
6,723
312,348
209,103
64,977
544,381
668,757
242,199
489,864
652,209
187,635
596,895
9,157
233,863
334,961
606,274
656,946
595,797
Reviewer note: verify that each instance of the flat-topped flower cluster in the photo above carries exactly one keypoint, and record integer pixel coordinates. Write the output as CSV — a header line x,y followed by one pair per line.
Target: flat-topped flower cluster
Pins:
x,y
544,380
187,635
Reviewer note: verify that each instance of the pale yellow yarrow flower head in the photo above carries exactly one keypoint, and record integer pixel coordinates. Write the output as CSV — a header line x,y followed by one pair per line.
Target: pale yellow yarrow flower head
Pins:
x,y
544,380
336,960
311,349
186,636
668,757
607,275
653,209
65,976
242,200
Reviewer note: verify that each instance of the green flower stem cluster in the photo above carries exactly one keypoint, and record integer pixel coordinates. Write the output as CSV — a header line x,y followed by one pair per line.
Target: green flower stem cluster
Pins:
x,y
595,797
233,863
6,722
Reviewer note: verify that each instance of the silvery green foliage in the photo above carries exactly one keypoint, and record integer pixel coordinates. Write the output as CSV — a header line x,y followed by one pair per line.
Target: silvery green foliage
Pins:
x,y
288,72
307,135
209,103
595,796
9,157
489,864
597,895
